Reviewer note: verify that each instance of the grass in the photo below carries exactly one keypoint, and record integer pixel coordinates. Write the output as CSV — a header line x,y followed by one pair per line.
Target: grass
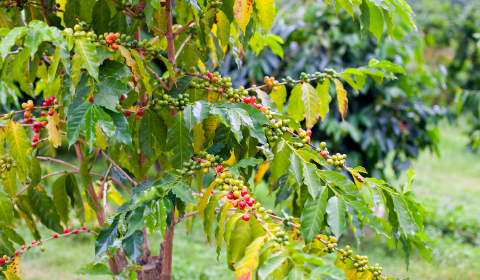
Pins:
x,y
446,182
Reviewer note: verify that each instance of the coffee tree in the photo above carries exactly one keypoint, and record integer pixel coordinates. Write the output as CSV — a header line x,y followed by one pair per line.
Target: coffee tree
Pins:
x,y
89,77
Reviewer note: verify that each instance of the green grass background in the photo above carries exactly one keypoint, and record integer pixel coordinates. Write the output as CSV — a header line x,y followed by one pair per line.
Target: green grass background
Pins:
x,y
446,183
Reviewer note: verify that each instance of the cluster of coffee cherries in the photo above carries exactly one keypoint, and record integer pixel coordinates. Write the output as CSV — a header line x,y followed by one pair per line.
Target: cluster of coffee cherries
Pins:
x,y
271,82
277,129
181,101
280,236
17,5
215,82
337,160
214,4
289,80
321,77
6,163
201,160
330,72
304,135
323,149
331,243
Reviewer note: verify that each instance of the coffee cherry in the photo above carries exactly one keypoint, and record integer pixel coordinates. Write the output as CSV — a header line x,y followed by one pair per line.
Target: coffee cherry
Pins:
x,y
75,232
34,242
2,261
91,99
55,235
219,168
65,231
84,228
51,112
242,204
246,217
42,248
323,153
230,196
23,247
17,253
246,197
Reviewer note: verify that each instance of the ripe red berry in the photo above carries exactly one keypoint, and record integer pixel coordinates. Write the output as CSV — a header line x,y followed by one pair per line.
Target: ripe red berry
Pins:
x,y
90,99
309,132
219,168
75,231
246,197
246,217
36,129
35,140
40,63
318,237
242,204
323,153
51,112
36,135
34,242
42,114
250,202
230,196
45,104
58,5
179,71
232,100
210,75
109,41
23,247
253,99
246,100
143,53
235,203
65,231
55,235
220,90
127,114
2,261
84,228
114,46
17,253
44,123
34,145
243,192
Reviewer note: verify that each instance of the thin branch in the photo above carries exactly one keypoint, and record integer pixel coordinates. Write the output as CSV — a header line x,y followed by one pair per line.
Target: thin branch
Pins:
x,y
95,159
158,78
183,44
112,162
58,161
40,242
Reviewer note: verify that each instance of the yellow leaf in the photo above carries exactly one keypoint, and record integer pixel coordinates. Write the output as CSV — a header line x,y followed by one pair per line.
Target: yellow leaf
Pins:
x,y
132,65
203,201
247,265
266,13
325,98
101,138
241,11
13,270
342,98
262,168
54,133
231,160
114,196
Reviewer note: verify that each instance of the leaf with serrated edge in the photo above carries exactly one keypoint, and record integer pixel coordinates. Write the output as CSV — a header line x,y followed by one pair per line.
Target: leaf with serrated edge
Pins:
x,y
312,215
179,142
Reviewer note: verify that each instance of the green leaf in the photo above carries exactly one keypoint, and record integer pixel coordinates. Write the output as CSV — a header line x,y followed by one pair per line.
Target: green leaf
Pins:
x,y
179,142
325,98
347,5
32,13
32,41
376,20
19,148
12,235
6,209
296,168
296,107
35,172
60,198
266,99
311,101
312,179
101,13
152,128
6,247
270,265
182,191
403,216
114,69
87,51
106,98
122,131
132,245
386,65
10,183
9,40
221,217
266,13
5,21
281,161
336,209
209,213
279,96
223,28
408,185
106,236
89,128
201,110
119,23
181,86
72,10
136,220
189,117
312,215
43,207
76,122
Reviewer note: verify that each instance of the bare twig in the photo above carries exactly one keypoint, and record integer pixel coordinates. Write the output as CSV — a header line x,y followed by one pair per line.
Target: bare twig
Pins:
x,y
183,44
